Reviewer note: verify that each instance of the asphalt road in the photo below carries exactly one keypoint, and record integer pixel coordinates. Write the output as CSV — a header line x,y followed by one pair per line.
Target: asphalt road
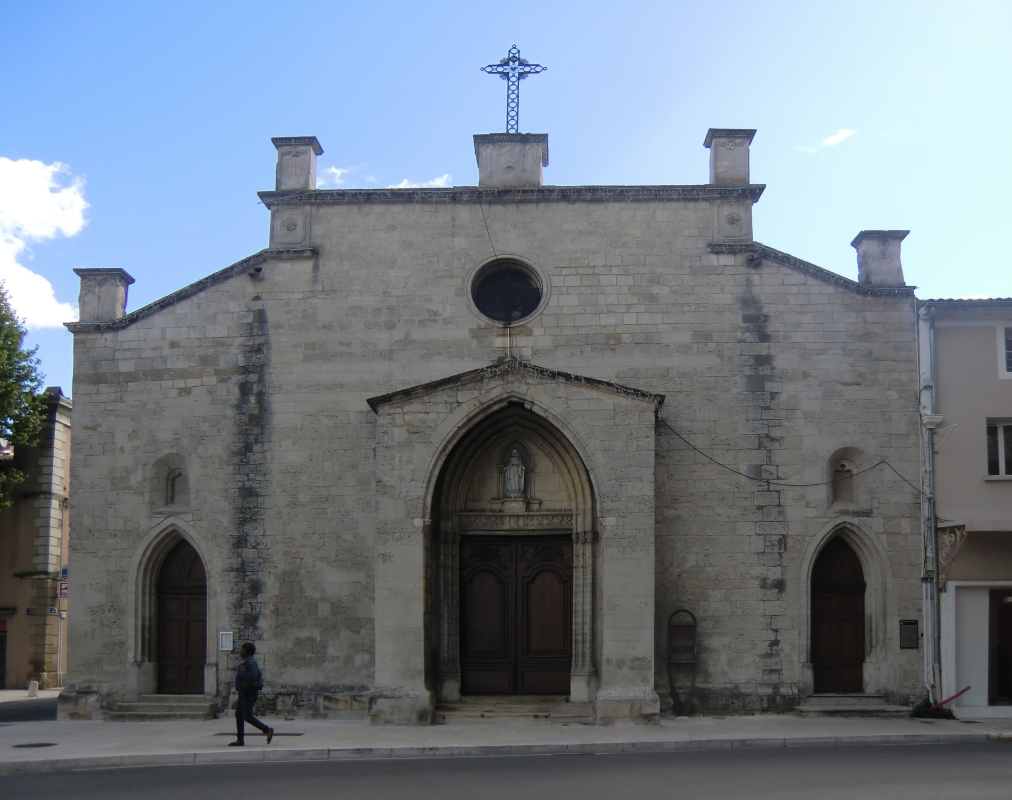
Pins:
x,y
923,772
41,709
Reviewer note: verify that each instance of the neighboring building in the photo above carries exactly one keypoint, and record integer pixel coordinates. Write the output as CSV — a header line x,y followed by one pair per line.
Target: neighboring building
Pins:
x,y
966,399
434,443
34,534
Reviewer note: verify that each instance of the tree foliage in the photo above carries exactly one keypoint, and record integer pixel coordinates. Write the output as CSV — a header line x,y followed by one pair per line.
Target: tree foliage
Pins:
x,y
21,406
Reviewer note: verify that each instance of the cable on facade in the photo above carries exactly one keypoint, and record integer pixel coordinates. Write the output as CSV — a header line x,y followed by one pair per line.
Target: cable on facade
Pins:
x,y
769,482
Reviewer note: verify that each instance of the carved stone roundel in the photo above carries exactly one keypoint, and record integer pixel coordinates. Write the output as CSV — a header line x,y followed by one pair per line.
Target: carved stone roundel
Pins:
x,y
290,225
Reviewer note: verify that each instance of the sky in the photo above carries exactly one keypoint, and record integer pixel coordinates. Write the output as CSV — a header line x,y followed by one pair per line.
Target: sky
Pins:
x,y
136,134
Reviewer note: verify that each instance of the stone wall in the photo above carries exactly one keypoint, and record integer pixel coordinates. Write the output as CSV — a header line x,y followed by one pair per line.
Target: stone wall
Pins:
x,y
259,381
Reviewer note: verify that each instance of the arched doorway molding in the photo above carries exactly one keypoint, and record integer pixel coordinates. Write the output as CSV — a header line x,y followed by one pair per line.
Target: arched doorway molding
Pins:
x,y
142,594
465,417
877,575
482,438
611,427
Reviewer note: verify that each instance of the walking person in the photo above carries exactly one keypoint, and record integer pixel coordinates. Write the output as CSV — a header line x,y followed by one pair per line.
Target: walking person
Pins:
x,y
248,683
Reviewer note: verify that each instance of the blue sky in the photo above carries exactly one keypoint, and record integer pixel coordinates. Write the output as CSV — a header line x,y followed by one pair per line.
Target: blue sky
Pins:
x,y
869,115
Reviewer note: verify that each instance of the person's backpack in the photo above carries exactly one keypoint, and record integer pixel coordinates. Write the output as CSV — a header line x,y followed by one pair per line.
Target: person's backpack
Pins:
x,y
253,682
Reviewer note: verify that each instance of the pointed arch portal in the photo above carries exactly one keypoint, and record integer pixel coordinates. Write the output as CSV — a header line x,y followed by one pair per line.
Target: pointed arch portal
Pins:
x,y
515,509
181,648
838,613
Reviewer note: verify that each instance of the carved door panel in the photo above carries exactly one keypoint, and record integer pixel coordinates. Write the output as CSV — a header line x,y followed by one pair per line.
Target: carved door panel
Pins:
x,y
182,622
545,646
516,614
487,621
838,620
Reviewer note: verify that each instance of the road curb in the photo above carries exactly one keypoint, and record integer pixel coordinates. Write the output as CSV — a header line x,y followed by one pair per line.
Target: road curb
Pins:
x,y
278,755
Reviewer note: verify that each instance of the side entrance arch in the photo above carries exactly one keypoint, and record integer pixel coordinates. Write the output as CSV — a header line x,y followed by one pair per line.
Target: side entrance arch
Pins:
x,y
182,622
838,618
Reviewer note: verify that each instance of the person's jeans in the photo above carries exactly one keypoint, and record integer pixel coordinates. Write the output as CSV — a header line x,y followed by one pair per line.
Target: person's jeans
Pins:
x,y
244,713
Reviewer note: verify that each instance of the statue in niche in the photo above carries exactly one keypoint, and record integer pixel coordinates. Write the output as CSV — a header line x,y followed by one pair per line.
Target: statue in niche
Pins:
x,y
843,482
513,473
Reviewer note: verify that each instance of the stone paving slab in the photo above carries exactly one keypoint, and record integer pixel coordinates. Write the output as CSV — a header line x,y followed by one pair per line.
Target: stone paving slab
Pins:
x,y
103,744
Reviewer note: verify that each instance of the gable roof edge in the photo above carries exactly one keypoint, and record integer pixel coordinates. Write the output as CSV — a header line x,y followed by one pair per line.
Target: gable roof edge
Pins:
x,y
762,251
207,282
507,366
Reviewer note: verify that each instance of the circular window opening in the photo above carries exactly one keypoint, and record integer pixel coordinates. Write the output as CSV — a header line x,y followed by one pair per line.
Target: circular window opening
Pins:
x,y
506,291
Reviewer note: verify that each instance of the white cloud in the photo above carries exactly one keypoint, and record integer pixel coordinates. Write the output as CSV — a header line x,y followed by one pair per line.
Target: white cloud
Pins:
x,y
837,137
831,141
38,202
343,177
332,176
442,182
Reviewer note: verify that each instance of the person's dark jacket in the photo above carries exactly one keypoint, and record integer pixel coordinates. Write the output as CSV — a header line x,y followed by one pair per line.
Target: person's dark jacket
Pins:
x,y
248,678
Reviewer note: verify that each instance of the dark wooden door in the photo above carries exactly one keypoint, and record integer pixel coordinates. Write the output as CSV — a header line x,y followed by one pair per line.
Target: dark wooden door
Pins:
x,y
516,614
999,671
182,622
838,619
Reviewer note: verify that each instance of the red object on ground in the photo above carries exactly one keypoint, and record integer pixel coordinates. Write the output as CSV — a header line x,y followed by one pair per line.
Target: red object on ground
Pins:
x,y
957,694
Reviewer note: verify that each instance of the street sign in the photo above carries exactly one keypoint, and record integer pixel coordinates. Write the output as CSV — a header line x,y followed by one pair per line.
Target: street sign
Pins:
x,y
62,590
63,572
52,611
30,612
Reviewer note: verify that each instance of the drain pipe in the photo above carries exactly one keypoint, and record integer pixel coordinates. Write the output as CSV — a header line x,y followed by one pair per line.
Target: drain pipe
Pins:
x,y
929,577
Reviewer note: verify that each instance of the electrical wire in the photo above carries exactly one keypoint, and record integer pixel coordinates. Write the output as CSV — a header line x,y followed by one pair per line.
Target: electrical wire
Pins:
x,y
487,233
782,483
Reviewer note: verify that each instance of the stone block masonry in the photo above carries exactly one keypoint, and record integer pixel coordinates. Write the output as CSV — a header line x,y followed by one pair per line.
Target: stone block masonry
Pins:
x,y
309,509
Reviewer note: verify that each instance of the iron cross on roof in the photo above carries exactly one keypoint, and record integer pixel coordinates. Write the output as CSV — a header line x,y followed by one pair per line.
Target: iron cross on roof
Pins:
x,y
513,69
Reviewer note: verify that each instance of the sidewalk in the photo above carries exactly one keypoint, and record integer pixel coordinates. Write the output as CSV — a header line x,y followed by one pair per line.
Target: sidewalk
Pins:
x,y
96,745
18,695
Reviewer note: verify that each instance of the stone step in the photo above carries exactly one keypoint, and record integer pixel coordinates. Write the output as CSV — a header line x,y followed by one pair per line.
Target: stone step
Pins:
x,y
539,709
158,716
155,708
844,698
883,711
172,699
166,707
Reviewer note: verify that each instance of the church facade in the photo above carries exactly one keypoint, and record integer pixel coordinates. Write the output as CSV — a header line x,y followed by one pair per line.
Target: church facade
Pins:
x,y
439,444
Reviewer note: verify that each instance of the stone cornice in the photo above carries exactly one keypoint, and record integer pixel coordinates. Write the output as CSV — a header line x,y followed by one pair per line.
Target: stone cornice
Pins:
x,y
510,366
728,133
761,253
188,291
510,138
101,272
966,308
541,194
298,141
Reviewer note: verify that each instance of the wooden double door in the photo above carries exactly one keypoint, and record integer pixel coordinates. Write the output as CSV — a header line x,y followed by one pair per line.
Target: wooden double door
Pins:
x,y
516,614
182,622
838,619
